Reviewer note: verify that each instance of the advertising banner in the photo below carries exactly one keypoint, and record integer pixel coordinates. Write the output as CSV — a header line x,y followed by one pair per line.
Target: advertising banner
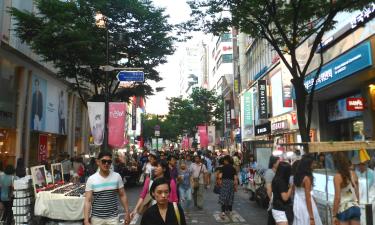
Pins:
x,y
287,90
96,118
203,136
48,107
247,115
262,99
280,87
227,114
211,135
337,110
116,124
42,147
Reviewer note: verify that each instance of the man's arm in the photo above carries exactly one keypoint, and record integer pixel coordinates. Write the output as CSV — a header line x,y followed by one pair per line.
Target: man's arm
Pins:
x,y
87,207
124,202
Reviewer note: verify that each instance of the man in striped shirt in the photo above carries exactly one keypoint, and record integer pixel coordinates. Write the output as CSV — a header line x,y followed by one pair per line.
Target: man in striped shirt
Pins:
x,y
103,191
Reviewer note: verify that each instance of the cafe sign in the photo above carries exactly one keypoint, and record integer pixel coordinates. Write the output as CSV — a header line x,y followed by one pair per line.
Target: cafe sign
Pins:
x,y
355,104
280,125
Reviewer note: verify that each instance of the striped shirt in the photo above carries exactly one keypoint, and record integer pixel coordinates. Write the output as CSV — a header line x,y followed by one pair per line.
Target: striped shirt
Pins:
x,y
105,194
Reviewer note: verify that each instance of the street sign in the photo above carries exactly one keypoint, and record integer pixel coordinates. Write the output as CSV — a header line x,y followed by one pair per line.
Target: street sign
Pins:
x,y
136,76
157,133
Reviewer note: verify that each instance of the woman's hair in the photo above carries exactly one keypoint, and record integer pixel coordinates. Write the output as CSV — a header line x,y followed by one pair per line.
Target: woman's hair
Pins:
x,y
295,167
157,182
228,159
20,163
165,166
9,170
342,165
273,160
283,172
304,169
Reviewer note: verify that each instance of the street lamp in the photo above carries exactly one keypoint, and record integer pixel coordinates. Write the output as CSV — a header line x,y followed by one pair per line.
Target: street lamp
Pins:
x,y
101,21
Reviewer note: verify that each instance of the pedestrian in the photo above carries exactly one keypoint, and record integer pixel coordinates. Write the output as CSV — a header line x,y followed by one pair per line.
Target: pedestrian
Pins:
x,y
304,207
208,160
20,169
282,210
104,190
67,167
199,179
163,212
149,166
268,177
346,209
92,167
145,201
228,181
172,162
6,183
184,186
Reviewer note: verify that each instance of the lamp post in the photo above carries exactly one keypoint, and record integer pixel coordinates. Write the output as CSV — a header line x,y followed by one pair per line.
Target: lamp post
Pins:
x,y
101,22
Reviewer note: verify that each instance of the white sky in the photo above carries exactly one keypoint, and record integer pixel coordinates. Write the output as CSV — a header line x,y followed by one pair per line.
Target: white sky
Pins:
x,y
178,11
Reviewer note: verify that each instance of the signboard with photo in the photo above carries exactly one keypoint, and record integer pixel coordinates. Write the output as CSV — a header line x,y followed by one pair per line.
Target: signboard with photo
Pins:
x,y
57,173
39,175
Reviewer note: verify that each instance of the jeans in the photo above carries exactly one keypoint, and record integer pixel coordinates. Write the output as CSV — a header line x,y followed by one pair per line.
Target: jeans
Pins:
x,y
198,196
185,196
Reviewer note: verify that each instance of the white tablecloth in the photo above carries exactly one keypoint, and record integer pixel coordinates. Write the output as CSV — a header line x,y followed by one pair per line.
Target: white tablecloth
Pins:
x,y
58,206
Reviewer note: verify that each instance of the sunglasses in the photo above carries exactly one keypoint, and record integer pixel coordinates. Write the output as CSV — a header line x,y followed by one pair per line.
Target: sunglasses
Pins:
x,y
104,161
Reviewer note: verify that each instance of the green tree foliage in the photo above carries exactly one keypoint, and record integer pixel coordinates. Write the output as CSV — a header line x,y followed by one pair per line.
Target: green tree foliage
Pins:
x,y
65,33
167,128
284,24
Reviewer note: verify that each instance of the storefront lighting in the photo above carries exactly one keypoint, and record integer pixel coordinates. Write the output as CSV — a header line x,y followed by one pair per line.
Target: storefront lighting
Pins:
x,y
277,153
131,152
371,86
87,156
1,143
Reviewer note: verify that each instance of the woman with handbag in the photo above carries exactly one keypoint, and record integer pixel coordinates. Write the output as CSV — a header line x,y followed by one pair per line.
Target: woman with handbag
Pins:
x,y
163,212
228,181
145,199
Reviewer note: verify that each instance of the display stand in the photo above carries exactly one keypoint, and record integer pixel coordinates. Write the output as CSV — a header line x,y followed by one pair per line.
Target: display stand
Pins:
x,y
23,201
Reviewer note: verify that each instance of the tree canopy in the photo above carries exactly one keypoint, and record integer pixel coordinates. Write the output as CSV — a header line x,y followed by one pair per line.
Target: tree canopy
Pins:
x,y
285,24
65,33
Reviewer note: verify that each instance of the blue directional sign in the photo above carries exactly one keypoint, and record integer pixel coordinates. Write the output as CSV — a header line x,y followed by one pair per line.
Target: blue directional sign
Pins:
x,y
136,76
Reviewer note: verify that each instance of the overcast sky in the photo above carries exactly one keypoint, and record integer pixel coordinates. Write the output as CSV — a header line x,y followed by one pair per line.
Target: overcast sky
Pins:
x,y
178,11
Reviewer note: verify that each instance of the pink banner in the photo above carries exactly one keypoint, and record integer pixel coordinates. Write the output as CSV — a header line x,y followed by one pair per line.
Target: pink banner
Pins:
x,y
203,136
116,124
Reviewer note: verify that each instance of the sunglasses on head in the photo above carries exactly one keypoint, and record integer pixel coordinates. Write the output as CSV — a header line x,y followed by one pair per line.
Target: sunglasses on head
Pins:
x,y
104,161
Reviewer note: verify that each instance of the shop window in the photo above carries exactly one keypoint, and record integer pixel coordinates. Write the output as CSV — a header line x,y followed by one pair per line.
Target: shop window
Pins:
x,y
7,146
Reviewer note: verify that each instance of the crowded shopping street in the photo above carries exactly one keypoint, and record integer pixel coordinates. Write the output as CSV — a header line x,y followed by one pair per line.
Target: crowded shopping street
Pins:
x,y
184,112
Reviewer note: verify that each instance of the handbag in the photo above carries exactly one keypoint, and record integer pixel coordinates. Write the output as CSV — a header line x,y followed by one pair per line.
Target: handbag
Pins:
x,y
196,179
177,212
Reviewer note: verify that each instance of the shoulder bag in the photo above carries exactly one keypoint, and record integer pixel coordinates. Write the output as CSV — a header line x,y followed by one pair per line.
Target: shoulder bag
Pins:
x,y
177,212
196,179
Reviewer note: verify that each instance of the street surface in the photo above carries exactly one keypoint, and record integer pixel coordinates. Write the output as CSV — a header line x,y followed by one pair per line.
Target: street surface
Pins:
x,y
245,212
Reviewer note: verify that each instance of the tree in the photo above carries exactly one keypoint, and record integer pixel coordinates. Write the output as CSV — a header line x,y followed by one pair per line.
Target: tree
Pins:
x,y
65,33
167,127
285,24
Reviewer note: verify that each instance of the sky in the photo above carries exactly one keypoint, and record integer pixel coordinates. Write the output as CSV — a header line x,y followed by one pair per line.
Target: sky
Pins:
x,y
178,11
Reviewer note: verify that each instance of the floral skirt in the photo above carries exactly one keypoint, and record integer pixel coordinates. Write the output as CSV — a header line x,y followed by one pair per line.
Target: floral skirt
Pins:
x,y
226,195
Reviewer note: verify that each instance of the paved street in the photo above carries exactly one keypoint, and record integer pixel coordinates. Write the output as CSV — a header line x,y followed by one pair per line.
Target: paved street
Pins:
x,y
244,211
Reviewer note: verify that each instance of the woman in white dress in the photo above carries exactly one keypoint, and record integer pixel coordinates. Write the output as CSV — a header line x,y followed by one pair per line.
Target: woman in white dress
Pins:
x,y
304,207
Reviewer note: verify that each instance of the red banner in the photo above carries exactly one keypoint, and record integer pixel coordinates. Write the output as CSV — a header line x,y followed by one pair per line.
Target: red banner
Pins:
x,y
42,147
116,124
203,136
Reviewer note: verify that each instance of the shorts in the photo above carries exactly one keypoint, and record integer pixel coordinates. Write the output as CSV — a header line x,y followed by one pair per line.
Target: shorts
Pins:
x,y
102,221
353,213
279,216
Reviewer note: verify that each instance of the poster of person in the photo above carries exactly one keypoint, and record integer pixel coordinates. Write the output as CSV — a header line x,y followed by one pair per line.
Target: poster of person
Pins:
x,y
38,101
96,117
38,174
57,173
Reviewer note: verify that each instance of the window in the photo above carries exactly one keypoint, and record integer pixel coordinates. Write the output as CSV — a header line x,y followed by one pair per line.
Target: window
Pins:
x,y
226,37
225,58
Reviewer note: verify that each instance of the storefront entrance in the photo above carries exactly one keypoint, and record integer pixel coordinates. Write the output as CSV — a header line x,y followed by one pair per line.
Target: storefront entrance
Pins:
x,y
55,146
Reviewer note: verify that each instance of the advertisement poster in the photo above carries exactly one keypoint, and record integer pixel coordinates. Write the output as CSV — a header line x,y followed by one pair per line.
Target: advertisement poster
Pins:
x,y
96,118
42,147
280,97
337,110
116,124
247,115
203,137
287,90
48,107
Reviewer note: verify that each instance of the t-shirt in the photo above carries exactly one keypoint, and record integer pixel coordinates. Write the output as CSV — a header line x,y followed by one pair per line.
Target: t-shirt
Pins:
x,y
195,170
105,194
209,164
185,184
6,182
279,186
149,169
268,176
228,172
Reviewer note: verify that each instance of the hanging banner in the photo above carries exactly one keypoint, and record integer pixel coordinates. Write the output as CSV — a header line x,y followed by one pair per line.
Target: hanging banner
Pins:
x,y
203,137
211,135
42,147
262,99
227,114
247,124
116,124
96,117
287,91
134,114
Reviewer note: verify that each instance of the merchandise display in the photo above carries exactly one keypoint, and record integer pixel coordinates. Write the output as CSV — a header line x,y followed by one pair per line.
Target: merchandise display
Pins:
x,y
23,200
66,188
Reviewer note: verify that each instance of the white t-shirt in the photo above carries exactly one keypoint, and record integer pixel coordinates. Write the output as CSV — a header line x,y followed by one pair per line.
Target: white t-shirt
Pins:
x,y
149,169
105,194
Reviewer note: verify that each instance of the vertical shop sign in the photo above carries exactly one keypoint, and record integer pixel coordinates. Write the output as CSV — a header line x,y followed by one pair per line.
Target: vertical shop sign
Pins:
x,y
203,136
116,124
134,114
247,117
42,147
227,114
262,101
287,91
96,118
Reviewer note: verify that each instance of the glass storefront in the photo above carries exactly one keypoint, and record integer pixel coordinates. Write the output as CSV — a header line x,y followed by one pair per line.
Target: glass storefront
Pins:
x,y
7,146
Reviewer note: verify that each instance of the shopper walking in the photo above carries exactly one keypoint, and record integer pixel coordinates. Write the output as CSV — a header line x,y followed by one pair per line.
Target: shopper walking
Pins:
x,y
282,210
268,177
163,212
104,189
228,181
67,167
304,207
198,180
184,186
145,201
346,209
6,182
